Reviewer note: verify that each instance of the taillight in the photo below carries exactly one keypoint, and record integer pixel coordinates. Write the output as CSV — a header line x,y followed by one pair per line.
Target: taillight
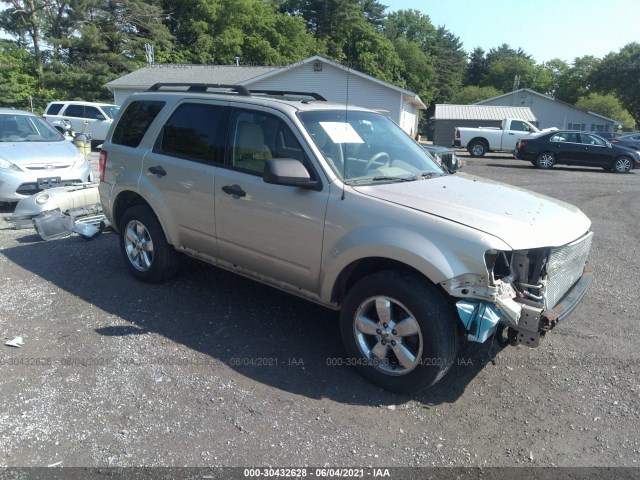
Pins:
x,y
522,143
102,162
457,133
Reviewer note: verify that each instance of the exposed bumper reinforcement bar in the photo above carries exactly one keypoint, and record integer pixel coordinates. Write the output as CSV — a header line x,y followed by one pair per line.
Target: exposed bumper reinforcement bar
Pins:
x,y
549,318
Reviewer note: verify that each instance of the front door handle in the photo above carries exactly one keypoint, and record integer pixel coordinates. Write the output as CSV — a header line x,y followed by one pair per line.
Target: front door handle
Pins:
x,y
159,171
234,190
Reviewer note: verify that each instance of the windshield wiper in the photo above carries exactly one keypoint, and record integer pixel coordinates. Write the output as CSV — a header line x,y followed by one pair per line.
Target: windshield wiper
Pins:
x,y
381,178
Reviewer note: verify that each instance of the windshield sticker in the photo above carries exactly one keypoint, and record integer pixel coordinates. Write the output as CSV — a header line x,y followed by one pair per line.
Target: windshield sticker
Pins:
x,y
341,132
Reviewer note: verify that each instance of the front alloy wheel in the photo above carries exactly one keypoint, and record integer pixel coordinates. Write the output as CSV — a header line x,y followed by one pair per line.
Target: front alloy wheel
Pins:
x,y
399,330
622,165
389,334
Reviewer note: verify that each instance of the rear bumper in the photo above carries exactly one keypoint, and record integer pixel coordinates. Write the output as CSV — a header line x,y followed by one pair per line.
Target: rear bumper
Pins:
x,y
524,155
456,143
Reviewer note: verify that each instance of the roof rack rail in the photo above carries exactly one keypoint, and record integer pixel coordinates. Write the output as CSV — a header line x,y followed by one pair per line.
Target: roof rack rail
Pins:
x,y
285,93
202,87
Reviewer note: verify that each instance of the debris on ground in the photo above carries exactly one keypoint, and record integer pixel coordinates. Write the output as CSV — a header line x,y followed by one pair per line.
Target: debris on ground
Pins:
x,y
16,342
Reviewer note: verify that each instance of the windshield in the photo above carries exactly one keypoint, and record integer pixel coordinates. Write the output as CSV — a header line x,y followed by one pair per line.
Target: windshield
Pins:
x,y
367,147
27,128
110,110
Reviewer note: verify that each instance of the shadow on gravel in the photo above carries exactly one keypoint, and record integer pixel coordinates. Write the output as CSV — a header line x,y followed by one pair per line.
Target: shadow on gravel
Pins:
x,y
264,334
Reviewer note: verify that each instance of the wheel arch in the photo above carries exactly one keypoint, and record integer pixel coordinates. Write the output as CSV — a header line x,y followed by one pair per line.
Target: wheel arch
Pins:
x,y
364,267
127,199
482,140
436,259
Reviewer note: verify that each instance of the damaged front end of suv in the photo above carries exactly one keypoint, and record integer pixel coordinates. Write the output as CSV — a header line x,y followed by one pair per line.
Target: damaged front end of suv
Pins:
x,y
525,292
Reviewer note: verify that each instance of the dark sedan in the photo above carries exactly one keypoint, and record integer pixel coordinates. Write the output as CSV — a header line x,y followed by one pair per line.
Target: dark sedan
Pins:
x,y
630,141
576,148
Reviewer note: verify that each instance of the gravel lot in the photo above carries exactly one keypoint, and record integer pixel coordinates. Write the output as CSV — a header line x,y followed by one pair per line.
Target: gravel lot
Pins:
x,y
212,369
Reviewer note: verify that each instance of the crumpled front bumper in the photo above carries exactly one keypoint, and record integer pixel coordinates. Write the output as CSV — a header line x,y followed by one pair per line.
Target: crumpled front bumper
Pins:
x,y
481,319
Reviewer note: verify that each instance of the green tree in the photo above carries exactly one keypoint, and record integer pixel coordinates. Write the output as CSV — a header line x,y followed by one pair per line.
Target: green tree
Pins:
x,y
209,32
374,12
22,19
573,82
607,105
17,79
510,73
477,68
411,25
472,94
619,73
417,70
506,51
449,61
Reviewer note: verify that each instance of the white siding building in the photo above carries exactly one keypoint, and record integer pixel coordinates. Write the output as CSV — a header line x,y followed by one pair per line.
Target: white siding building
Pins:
x,y
333,81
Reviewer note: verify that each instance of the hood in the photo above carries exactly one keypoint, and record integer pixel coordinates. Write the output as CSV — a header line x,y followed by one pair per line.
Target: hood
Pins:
x,y
23,153
521,218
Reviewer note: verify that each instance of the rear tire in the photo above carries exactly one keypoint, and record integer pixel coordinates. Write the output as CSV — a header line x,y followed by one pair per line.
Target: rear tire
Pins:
x,y
546,160
399,331
144,246
477,148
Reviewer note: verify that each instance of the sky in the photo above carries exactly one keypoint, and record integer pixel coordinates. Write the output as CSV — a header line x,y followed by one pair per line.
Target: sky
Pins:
x,y
544,29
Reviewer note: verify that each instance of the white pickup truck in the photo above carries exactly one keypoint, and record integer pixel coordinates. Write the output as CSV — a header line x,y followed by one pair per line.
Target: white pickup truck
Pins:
x,y
481,140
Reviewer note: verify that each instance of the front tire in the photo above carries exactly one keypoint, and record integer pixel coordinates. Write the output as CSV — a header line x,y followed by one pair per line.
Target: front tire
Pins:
x,y
622,165
546,160
477,148
399,331
144,246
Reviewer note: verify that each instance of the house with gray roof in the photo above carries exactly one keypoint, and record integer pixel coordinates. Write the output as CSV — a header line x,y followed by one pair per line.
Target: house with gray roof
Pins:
x,y
554,113
447,117
335,82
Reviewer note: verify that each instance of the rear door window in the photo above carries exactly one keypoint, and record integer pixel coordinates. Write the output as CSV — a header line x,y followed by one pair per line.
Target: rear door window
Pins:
x,y
74,111
135,121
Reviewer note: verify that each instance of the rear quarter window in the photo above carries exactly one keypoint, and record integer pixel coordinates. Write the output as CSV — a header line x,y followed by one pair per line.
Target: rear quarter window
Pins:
x,y
135,121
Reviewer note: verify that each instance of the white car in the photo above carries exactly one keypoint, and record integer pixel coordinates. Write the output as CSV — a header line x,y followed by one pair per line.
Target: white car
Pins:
x,y
98,117
35,156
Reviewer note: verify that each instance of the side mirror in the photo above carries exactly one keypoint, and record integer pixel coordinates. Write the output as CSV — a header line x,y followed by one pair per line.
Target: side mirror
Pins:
x,y
288,172
99,116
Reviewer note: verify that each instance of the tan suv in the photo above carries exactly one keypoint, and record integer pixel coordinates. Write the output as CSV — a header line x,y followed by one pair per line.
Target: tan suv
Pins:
x,y
338,205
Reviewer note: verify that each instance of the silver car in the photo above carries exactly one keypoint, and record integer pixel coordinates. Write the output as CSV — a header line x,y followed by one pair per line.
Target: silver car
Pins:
x,y
338,205
35,156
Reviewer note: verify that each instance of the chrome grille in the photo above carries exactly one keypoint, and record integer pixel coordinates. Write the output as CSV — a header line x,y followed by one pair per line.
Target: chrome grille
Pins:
x,y
46,167
446,158
565,267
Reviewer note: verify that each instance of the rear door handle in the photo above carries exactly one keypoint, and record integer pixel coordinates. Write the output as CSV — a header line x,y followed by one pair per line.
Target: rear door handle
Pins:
x,y
234,190
159,171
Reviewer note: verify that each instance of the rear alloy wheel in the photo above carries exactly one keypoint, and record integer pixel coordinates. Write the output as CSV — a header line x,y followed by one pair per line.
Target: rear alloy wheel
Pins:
x,y
399,331
144,246
622,165
477,148
545,160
